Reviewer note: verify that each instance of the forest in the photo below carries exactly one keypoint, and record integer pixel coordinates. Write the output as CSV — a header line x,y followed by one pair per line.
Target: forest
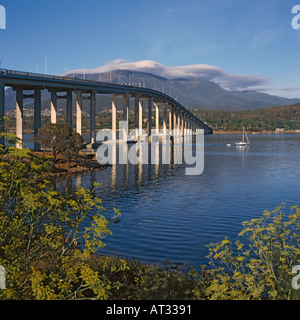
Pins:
x,y
259,120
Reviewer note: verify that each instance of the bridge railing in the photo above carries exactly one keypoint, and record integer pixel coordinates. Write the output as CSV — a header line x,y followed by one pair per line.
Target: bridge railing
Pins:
x,y
47,76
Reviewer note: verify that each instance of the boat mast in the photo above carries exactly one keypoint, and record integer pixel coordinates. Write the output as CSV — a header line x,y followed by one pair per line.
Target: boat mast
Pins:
x,y
245,134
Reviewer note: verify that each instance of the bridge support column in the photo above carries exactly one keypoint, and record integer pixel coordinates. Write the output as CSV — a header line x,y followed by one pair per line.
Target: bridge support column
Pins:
x,y
19,116
171,118
156,119
79,112
189,126
140,116
150,105
182,123
175,124
136,113
2,109
53,106
186,124
178,122
69,108
126,112
114,116
165,119
37,116
93,117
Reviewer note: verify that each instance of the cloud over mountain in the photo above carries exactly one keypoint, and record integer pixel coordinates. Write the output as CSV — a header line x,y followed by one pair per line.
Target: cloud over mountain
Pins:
x,y
198,71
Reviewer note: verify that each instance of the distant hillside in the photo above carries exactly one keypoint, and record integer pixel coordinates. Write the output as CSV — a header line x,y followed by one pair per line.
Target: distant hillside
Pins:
x,y
196,93
269,119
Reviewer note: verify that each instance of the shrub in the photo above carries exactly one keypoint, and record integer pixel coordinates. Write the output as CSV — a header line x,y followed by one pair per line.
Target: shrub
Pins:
x,y
60,138
260,268
46,237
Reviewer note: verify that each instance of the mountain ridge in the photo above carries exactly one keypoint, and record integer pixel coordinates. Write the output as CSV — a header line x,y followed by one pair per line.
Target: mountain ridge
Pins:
x,y
193,93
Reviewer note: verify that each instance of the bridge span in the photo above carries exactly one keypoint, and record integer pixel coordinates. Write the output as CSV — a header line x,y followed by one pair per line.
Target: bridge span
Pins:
x,y
175,115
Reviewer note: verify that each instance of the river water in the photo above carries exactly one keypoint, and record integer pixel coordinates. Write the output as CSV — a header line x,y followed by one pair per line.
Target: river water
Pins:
x,y
167,214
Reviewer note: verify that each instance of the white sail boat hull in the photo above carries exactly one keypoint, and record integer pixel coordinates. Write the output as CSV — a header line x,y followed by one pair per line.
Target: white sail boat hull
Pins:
x,y
245,142
242,144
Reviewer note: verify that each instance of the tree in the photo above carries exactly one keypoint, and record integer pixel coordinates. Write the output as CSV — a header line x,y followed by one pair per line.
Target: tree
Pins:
x,y
60,138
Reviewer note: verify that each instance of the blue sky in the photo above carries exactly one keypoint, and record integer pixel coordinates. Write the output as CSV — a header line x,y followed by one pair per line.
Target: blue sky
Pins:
x,y
240,37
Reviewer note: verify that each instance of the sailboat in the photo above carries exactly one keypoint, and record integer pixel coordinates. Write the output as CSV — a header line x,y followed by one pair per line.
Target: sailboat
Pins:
x,y
245,141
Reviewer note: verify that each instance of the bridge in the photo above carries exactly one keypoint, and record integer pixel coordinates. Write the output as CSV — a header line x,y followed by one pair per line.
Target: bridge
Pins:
x,y
175,115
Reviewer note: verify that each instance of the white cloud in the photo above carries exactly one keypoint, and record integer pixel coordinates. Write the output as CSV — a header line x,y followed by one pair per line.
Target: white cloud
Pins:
x,y
199,71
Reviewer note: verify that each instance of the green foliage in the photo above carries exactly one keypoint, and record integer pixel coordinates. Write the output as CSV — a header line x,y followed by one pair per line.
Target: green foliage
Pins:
x,y
261,267
139,281
60,138
47,237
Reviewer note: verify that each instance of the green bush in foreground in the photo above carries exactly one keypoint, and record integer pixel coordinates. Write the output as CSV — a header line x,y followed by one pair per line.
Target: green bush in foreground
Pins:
x,y
261,268
40,232
49,243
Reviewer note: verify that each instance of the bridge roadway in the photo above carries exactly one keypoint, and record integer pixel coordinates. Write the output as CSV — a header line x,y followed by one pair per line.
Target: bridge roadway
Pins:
x,y
179,117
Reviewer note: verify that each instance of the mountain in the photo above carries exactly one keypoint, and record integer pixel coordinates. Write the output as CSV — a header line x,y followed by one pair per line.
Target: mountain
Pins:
x,y
192,93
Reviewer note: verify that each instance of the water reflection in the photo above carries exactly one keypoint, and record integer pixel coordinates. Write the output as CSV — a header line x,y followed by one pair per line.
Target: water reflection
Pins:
x,y
244,151
129,175
167,214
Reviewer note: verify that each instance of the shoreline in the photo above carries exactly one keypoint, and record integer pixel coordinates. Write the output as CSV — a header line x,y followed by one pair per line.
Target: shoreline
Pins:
x,y
63,167
217,132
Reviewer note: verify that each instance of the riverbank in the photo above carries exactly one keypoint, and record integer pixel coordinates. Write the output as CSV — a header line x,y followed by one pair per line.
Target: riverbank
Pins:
x,y
83,163
216,132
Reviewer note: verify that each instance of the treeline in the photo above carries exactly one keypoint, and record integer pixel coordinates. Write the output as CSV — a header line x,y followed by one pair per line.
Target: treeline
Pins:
x,y
259,120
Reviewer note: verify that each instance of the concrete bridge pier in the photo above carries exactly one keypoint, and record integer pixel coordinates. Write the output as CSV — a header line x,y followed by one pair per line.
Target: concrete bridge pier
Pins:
x,y
53,106
178,121
156,118
165,119
19,116
140,123
150,106
93,117
69,97
37,116
175,119
79,112
126,114
138,113
171,118
20,96
114,116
